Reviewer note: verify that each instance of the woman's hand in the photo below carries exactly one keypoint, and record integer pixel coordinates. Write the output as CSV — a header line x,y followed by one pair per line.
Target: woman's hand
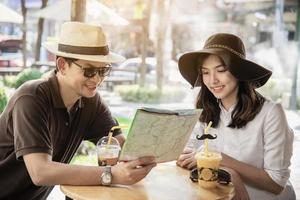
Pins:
x,y
187,159
239,187
131,172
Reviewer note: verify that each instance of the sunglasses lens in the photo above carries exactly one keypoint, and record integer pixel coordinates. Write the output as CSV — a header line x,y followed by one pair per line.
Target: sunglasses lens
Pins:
x,y
90,72
104,71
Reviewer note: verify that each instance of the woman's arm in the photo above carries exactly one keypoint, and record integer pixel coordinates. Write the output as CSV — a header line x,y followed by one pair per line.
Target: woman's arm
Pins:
x,y
248,173
252,175
240,191
277,151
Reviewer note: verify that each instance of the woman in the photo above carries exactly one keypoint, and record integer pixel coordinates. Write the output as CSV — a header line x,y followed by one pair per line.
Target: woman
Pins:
x,y
253,134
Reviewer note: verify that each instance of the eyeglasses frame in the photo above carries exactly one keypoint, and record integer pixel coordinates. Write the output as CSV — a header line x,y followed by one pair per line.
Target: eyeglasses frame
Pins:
x,y
108,65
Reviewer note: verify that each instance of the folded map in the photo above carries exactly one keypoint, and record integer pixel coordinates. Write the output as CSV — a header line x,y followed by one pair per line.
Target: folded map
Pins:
x,y
160,133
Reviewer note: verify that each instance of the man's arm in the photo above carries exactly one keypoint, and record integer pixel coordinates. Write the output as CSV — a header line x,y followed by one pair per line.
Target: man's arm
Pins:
x,y
44,171
121,139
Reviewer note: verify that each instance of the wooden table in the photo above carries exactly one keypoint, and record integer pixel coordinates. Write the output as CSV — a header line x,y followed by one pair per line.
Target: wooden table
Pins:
x,y
165,182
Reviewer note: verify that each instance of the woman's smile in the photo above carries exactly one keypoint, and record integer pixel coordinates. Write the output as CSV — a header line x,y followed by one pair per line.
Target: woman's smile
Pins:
x,y
217,89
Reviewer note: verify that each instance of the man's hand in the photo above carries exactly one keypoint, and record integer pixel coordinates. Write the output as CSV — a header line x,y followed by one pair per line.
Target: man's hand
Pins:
x,y
187,159
131,172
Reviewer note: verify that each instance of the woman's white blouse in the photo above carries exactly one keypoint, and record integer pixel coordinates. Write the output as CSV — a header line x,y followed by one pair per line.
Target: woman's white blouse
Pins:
x,y
266,142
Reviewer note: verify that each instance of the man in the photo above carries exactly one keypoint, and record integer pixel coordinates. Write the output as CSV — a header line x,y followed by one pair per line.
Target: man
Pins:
x,y
46,120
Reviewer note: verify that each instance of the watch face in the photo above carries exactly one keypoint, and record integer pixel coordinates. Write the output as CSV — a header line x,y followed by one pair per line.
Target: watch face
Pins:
x,y
106,178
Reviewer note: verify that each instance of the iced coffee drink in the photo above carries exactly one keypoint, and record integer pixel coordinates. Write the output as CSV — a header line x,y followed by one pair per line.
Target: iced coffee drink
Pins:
x,y
208,165
108,154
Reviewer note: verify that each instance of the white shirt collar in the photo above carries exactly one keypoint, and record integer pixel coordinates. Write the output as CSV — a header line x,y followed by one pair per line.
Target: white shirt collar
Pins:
x,y
229,110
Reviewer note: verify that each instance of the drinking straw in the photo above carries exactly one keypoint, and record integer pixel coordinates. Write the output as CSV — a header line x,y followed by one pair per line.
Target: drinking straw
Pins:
x,y
111,132
206,140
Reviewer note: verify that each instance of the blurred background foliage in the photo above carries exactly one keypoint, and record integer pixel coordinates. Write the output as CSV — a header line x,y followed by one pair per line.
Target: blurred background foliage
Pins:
x,y
3,99
134,93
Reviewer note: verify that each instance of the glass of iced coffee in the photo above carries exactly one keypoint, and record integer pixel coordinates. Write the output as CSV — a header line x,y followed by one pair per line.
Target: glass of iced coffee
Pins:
x,y
208,164
108,151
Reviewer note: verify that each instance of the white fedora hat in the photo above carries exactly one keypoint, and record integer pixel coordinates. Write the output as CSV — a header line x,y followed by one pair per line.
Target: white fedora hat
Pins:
x,y
83,41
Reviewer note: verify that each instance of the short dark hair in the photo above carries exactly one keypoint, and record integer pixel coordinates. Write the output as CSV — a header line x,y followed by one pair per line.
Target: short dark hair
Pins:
x,y
68,60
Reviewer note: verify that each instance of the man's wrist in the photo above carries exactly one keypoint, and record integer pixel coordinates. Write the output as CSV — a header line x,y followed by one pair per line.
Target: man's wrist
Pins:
x,y
106,176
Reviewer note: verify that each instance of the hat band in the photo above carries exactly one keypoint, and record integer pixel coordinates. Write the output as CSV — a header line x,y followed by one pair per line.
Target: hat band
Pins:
x,y
225,47
104,50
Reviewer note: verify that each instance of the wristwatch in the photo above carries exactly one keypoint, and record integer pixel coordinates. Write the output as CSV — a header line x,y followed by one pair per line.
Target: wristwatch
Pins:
x,y
106,176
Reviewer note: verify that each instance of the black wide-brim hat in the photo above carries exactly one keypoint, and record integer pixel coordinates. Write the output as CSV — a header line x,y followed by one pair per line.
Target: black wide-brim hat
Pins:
x,y
231,50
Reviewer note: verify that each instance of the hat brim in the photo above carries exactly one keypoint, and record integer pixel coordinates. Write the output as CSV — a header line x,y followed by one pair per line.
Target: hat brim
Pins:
x,y
110,58
242,69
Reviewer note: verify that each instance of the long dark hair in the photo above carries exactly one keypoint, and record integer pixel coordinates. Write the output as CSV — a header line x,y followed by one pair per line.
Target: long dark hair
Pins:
x,y
249,104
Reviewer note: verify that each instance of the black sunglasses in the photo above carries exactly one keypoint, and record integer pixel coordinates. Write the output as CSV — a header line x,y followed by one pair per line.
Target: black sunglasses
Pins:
x,y
90,72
